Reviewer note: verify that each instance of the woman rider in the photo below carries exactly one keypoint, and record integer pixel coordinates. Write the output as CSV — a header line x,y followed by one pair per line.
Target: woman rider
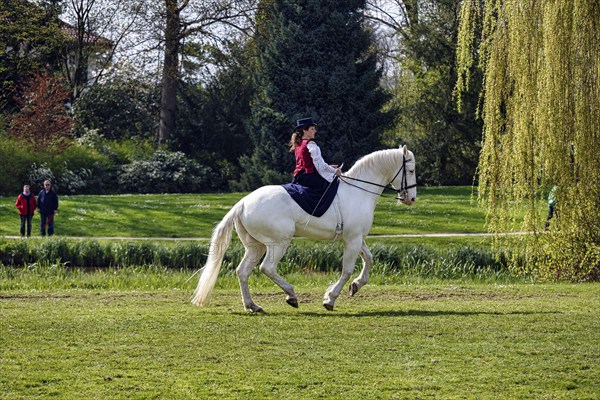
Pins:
x,y
311,170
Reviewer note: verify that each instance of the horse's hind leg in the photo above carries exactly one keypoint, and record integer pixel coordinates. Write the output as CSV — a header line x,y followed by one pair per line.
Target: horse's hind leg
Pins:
x,y
269,267
252,256
363,277
254,250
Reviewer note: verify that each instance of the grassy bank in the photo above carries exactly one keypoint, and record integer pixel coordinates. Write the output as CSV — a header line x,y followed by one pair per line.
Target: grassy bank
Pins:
x,y
449,261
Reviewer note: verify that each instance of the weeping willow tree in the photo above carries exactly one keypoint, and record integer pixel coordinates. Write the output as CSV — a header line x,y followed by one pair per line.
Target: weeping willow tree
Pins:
x,y
540,106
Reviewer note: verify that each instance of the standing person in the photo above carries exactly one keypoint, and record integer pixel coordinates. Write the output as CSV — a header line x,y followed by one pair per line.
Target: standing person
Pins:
x,y
311,170
26,205
48,205
551,206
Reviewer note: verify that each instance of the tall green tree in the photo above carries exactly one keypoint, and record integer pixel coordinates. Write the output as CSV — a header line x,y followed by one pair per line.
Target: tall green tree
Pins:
x,y
446,140
30,39
212,114
541,116
314,58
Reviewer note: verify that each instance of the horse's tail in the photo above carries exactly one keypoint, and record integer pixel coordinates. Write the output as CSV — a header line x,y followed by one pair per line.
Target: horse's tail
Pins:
x,y
219,242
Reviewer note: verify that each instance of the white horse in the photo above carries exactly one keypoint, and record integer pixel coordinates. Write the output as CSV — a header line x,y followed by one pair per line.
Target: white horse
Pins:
x,y
267,219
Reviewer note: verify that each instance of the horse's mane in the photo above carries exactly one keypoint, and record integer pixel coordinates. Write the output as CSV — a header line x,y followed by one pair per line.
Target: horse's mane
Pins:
x,y
383,160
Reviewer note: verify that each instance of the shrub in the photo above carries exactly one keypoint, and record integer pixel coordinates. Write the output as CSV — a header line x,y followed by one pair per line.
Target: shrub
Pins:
x,y
119,109
78,170
166,172
94,165
39,173
569,256
131,150
17,159
84,170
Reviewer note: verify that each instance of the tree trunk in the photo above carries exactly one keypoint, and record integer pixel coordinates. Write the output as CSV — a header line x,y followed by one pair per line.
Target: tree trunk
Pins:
x,y
170,74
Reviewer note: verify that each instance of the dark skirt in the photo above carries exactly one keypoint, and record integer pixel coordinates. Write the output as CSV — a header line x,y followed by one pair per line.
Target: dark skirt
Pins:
x,y
312,192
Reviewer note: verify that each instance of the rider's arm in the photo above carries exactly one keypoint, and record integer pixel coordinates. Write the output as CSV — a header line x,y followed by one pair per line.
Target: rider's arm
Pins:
x,y
324,169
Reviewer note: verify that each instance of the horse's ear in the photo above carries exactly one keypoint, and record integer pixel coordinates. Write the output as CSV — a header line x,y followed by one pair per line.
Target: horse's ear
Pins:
x,y
404,150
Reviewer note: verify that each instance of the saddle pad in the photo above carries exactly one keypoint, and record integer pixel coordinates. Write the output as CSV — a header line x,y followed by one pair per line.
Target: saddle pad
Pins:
x,y
314,202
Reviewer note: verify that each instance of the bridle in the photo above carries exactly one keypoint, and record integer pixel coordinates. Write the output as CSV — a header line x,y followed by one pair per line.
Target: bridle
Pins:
x,y
404,186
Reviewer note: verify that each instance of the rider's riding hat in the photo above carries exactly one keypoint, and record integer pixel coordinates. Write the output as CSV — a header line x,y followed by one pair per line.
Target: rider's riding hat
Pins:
x,y
305,123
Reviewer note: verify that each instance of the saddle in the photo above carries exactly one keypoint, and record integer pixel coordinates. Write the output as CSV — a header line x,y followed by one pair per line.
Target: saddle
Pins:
x,y
314,202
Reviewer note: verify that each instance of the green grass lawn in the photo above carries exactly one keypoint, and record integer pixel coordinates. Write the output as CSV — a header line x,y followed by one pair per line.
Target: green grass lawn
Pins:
x,y
438,209
131,333
406,340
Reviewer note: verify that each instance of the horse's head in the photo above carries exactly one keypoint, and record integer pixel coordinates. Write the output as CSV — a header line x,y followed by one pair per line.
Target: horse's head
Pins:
x,y
405,181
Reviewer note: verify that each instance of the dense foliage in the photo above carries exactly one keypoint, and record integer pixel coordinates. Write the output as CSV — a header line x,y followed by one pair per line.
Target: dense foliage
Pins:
x,y
95,165
120,109
211,116
541,111
170,172
446,140
314,58
239,96
30,41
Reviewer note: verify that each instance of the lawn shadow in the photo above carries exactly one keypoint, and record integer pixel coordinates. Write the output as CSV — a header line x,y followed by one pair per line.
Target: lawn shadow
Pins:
x,y
400,313
419,313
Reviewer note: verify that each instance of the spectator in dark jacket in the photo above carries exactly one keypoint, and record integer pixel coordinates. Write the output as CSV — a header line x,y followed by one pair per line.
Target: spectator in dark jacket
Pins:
x,y
48,206
26,205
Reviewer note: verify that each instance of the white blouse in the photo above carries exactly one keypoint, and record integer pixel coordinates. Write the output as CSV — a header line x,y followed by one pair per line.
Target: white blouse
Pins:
x,y
324,169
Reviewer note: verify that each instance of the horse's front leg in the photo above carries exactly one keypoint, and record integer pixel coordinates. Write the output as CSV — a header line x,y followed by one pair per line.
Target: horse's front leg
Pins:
x,y
363,277
349,259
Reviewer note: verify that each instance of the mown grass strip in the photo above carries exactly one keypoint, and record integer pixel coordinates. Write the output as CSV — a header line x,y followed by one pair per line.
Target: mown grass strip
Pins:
x,y
438,209
445,340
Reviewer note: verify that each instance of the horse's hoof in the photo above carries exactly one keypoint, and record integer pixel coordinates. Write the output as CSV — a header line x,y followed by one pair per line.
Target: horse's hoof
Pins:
x,y
255,309
292,301
353,288
328,307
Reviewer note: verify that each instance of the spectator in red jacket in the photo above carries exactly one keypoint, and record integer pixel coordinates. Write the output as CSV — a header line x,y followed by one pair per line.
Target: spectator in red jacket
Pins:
x,y
26,205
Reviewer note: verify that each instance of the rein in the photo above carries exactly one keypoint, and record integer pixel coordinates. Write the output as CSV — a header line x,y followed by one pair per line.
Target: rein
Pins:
x,y
404,186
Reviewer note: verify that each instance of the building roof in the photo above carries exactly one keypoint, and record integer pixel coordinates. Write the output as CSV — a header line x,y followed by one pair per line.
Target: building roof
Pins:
x,y
88,37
